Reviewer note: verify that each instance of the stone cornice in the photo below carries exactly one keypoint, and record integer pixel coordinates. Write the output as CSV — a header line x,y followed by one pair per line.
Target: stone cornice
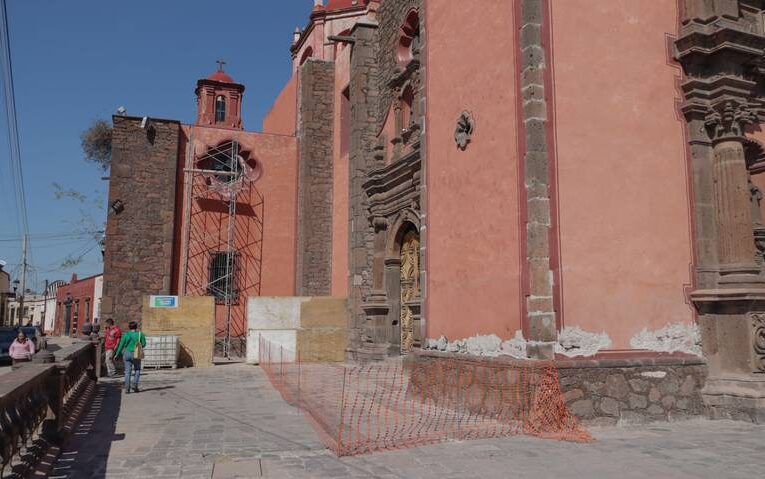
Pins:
x,y
395,186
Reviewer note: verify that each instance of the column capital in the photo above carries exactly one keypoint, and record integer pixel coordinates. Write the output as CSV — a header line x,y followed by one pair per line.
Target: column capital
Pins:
x,y
726,120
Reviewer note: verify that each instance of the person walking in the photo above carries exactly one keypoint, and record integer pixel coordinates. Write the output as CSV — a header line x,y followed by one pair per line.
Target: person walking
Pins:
x,y
22,349
132,343
113,336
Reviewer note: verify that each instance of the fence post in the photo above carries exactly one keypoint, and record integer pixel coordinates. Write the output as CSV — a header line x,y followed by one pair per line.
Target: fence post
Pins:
x,y
460,400
297,359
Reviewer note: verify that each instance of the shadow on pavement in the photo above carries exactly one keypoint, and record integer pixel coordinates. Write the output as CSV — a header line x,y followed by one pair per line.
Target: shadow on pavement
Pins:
x,y
86,452
158,388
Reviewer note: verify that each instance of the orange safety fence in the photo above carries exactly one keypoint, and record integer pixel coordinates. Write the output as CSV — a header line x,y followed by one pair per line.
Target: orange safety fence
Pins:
x,y
393,404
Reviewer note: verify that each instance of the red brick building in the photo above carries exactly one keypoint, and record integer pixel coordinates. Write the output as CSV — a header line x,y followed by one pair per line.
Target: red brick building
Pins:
x,y
77,303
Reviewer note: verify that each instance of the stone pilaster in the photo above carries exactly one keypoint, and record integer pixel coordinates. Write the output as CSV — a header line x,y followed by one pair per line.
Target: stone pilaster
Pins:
x,y
364,95
540,311
314,234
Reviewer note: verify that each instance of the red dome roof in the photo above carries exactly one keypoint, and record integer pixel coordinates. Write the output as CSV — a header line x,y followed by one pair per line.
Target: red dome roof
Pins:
x,y
343,4
221,76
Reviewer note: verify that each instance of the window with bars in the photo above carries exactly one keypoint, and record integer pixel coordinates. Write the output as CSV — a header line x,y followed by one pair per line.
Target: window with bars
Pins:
x,y
223,274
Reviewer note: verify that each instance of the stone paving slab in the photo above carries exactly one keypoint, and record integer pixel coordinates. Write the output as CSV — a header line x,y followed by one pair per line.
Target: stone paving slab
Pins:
x,y
194,423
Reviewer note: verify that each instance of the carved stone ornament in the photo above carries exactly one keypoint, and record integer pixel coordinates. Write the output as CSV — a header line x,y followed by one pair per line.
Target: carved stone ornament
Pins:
x,y
727,121
758,320
464,131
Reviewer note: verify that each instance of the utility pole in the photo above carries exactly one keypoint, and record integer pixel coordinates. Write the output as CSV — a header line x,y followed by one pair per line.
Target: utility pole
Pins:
x,y
23,278
45,306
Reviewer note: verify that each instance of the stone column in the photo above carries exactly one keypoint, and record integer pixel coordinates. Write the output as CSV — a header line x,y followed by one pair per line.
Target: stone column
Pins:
x,y
733,208
732,196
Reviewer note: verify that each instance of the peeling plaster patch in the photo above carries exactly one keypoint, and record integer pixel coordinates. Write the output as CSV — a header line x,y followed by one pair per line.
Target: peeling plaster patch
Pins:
x,y
654,374
575,341
482,345
676,337
515,347
488,345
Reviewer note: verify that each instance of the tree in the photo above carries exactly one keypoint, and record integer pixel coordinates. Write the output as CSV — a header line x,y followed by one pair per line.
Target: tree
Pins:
x,y
96,143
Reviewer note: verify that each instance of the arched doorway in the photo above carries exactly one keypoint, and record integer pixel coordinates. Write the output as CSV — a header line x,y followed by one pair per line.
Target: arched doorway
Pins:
x,y
409,316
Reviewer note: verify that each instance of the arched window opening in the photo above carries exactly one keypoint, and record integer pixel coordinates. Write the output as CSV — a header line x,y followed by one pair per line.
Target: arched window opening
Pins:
x,y
409,38
220,109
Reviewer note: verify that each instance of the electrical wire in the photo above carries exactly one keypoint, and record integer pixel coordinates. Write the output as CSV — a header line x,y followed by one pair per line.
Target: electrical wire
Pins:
x,y
13,131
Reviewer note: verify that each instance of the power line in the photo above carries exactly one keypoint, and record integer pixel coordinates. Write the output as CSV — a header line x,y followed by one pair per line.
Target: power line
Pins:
x,y
56,236
17,172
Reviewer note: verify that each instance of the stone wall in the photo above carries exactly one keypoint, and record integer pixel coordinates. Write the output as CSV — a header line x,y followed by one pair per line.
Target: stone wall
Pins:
x,y
600,392
364,94
611,391
391,16
315,130
139,239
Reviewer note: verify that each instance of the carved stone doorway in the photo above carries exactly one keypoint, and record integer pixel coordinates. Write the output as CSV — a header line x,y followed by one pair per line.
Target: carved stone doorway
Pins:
x,y
410,290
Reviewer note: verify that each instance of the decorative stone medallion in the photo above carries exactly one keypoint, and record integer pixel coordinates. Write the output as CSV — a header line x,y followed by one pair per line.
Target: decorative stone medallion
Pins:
x,y
464,131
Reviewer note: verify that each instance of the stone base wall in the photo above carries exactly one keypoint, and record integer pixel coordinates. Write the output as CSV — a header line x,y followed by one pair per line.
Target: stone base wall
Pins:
x,y
637,390
641,388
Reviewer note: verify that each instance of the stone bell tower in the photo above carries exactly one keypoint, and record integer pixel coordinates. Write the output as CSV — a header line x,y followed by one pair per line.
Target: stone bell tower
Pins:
x,y
219,100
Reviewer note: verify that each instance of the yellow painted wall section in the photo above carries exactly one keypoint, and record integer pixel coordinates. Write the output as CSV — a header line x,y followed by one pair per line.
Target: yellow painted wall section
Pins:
x,y
625,227
193,321
323,332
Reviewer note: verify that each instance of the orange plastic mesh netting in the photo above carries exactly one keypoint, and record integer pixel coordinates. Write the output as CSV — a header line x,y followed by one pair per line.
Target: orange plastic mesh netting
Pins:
x,y
393,404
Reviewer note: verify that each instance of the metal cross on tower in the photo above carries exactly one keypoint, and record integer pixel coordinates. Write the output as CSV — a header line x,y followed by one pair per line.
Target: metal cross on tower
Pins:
x,y
220,63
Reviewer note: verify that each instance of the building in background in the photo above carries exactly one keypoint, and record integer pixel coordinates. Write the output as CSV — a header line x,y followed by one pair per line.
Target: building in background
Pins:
x,y
76,304
33,313
6,293
50,295
460,171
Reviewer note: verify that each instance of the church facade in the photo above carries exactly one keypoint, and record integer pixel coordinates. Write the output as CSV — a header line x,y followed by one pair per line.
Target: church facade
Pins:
x,y
578,172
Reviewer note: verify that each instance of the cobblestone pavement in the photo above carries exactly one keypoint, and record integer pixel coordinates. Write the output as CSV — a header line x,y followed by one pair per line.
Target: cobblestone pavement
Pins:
x,y
228,422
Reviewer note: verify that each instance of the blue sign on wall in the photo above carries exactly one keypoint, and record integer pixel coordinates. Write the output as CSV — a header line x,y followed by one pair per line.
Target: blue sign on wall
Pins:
x,y
163,302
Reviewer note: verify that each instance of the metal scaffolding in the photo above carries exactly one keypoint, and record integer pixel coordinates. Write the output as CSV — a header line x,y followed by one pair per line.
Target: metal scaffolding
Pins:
x,y
222,237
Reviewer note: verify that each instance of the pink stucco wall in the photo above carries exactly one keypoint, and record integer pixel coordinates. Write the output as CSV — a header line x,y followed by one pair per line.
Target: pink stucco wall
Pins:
x,y
282,118
340,180
473,282
625,244
267,269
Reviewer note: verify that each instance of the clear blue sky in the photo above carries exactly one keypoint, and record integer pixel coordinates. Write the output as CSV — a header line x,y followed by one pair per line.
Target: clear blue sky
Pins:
x,y
79,60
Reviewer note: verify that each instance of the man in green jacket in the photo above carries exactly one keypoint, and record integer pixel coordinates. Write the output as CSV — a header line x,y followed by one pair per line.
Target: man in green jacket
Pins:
x,y
128,344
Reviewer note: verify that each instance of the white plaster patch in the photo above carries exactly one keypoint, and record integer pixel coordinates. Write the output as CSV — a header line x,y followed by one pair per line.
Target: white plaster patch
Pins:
x,y
488,345
654,374
575,341
515,347
676,337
